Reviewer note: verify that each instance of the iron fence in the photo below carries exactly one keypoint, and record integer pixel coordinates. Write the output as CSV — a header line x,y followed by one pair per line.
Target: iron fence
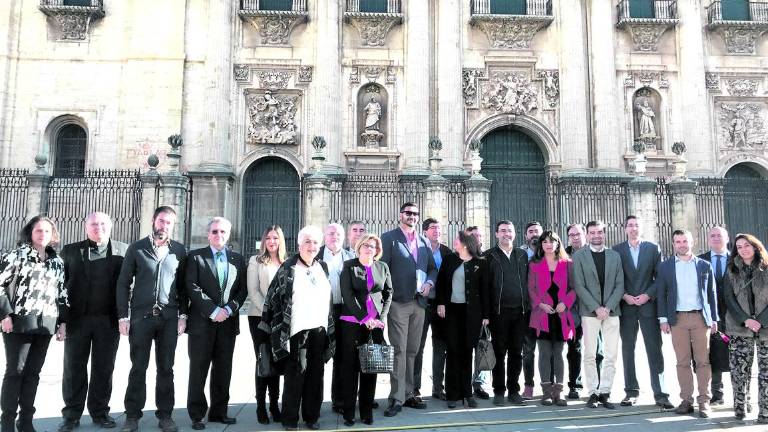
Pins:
x,y
115,192
709,208
664,226
457,211
13,205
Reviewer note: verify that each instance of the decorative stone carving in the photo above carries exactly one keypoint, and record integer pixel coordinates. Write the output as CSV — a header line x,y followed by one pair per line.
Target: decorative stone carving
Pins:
x,y
629,80
712,81
372,72
646,32
354,75
305,74
73,22
646,78
740,37
741,87
273,79
275,27
373,27
678,148
646,107
663,81
242,72
551,82
742,127
391,74
510,31
372,103
272,118
509,92
469,85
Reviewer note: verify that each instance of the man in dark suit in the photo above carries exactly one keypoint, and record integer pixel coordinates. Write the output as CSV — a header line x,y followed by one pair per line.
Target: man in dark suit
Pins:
x,y
152,307
687,309
91,268
717,256
215,282
640,260
412,265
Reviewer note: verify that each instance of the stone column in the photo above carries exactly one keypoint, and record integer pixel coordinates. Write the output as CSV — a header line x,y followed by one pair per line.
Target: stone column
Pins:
x,y
694,101
450,101
173,188
327,106
415,110
317,208
606,113
642,203
683,203
436,199
211,197
149,182
574,119
38,184
478,191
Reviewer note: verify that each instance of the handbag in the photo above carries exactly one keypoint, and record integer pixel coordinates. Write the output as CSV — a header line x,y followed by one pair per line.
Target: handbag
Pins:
x,y
264,365
485,358
376,358
718,352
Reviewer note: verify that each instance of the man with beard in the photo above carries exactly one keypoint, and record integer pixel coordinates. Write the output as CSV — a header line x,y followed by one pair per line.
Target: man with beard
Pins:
x,y
533,230
153,310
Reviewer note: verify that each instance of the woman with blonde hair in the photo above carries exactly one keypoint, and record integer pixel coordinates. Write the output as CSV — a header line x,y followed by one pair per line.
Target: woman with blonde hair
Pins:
x,y
262,268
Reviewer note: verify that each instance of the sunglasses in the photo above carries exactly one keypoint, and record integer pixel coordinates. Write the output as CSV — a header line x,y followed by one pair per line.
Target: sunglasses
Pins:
x,y
410,213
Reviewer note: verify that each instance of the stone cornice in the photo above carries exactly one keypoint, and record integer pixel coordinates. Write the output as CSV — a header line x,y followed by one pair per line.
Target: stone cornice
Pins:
x,y
510,31
372,26
646,32
740,37
274,27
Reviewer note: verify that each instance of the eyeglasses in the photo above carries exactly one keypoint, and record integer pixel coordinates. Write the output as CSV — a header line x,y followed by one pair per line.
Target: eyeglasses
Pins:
x,y
410,213
370,245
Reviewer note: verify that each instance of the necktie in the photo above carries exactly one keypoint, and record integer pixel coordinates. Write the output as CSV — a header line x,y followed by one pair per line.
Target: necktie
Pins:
x,y
221,268
719,266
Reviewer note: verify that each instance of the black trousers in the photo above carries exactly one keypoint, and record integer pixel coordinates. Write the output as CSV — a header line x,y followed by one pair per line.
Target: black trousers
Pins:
x,y
529,352
337,398
263,383
95,338
508,331
354,383
458,362
211,349
24,358
164,333
304,389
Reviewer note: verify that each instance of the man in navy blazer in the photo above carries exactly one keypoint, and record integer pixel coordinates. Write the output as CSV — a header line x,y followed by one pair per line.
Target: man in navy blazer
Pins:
x,y
687,309
640,260
410,261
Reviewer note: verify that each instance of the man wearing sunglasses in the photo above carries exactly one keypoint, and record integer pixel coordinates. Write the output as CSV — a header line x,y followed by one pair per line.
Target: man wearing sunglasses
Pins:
x,y
412,265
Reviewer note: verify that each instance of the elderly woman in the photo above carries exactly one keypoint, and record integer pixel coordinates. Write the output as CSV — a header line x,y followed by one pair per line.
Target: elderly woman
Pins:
x,y
297,315
33,303
262,268
746,297
366,291
552,298
463,301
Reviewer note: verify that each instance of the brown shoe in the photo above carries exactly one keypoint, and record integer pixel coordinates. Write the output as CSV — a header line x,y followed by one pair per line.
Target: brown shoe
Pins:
x,y
704,410
685,407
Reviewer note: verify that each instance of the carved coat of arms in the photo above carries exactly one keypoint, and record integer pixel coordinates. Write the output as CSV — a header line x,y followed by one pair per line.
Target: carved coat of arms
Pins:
x,y
509,92
272,118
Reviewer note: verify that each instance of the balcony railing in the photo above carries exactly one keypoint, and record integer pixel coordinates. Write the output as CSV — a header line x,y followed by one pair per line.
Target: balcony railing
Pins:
x,y
645,10
515,7
756,12
81,3
373,6
252,6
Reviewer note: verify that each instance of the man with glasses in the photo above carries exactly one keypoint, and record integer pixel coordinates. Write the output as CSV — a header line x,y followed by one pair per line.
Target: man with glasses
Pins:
x,y
413,269
533,231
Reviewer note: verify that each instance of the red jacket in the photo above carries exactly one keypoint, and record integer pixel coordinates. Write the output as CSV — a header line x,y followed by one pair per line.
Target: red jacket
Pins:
x,y
539,281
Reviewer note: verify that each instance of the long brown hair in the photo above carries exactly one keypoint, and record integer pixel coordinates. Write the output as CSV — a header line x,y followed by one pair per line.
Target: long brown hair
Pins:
x,y
559,250
263,256
761,256
25,234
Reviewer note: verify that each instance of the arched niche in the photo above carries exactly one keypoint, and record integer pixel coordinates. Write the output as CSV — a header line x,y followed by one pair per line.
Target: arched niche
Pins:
x,y
372,116
646,118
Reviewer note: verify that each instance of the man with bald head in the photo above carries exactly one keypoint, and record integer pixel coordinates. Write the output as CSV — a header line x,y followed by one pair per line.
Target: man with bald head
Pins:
x,y
91,268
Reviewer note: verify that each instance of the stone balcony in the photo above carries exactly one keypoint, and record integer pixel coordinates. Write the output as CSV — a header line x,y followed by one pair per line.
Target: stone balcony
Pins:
x,y
72,18
740,24
274,19
511,24
646,21
373,19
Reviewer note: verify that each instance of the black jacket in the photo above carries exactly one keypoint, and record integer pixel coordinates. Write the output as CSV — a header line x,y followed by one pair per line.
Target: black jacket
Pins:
x,y
354,289
476,289
520,258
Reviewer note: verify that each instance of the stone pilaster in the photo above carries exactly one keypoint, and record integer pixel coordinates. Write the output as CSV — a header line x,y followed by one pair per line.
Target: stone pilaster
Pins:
x,y
415,113
38,184
149,196
450,99
606,113
642,203
436,199
326,82
173,193
212,194
694,104
478,191
317,209
683,203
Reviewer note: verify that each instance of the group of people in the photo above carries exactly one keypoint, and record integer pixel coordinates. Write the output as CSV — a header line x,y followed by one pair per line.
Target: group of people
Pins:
x,y
325,301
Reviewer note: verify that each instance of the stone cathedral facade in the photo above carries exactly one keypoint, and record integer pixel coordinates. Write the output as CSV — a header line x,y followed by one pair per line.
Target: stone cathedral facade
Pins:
x,y
277,101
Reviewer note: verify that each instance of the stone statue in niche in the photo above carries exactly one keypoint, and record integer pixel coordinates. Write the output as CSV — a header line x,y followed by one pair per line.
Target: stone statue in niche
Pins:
x,y
645,110
645,118
372,115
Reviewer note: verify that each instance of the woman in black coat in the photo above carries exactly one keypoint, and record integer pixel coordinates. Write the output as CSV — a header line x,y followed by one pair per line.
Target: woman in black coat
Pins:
x,y
463,302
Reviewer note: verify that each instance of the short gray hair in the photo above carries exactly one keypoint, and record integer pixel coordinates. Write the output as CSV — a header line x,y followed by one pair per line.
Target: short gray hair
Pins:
x,y
309,231
219,220
338,227
92,215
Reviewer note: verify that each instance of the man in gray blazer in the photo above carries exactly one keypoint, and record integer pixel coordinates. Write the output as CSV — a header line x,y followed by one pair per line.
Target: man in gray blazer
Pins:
x,y
599,283
410,261
640,260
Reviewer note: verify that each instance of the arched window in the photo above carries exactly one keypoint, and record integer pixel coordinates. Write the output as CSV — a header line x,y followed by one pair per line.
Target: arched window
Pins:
x,y
71,141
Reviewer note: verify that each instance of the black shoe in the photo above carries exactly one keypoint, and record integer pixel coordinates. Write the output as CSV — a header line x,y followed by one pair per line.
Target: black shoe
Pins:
x,y
290,427
593,401
515,399
375,405
628,401
167,425
198,425
664,404
605,402
368,421
68,425
337,409
104,421
313,425
222,419
261,414
25,426
274,411
481,394
349,422
471,402
415,403
6,425
393,409
573,394
131,425
716,400
450,404
439,395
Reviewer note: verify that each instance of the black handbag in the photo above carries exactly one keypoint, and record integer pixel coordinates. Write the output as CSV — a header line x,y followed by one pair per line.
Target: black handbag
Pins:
x,y
485,358
265,367
718,352
376,358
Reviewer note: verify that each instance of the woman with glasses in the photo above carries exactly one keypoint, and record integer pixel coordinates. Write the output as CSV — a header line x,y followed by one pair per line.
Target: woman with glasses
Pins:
x,y
746,297
366,291
297,315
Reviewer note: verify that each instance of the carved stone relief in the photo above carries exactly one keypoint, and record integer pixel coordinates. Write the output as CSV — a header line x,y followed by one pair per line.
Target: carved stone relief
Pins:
x,y
354,75
646,79
509,93
373,27
646,36
741,87
391,75
242,72
551,83
712,81
741,126
646,106
305,74
469,85
273,79
512,33
272,118
276,29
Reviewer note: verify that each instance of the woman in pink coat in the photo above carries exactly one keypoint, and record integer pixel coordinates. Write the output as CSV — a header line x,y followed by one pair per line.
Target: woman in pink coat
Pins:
x,y
552,298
